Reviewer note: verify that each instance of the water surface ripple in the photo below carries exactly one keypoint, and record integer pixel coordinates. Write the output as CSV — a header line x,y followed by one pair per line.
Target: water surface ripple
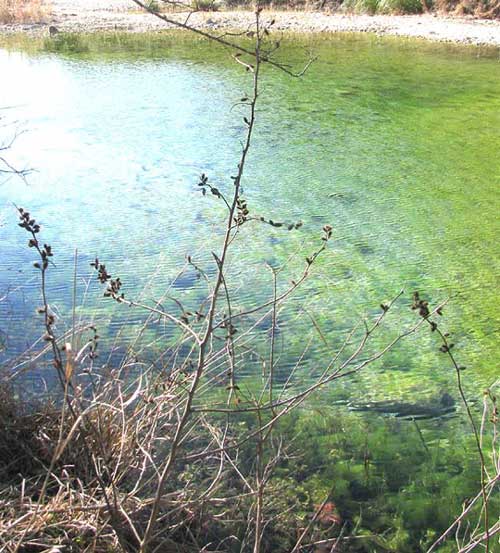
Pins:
x,y
395,143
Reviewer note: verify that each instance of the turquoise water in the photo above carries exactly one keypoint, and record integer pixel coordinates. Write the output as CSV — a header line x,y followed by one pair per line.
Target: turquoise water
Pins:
x,y
393,142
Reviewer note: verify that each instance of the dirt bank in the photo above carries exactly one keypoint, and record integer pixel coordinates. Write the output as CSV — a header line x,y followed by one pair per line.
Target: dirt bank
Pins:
x,y
123,15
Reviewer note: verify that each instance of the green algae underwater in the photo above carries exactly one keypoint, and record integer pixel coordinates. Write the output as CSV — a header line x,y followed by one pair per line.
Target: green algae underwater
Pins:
x,y
393,142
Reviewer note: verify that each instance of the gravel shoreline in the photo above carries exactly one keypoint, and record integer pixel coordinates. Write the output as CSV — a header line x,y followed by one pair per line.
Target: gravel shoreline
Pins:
x,y
123,15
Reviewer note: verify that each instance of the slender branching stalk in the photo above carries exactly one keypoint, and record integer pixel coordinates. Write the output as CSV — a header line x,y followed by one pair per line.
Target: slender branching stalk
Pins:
x,y
422,306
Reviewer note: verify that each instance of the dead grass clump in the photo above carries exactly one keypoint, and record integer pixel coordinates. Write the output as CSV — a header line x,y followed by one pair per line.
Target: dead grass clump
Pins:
x,y
488,9
55,491
89,483
22,449
69,475
23,11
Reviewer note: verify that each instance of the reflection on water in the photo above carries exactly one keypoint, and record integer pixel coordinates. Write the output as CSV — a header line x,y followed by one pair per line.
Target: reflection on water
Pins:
x,y
392,142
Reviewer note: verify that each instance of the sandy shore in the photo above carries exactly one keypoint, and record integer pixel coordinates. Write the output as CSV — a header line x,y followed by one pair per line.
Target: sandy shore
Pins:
x,y
123,15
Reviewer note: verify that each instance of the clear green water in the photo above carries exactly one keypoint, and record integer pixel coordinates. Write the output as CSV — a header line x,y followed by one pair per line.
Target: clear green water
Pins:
x,y
393,142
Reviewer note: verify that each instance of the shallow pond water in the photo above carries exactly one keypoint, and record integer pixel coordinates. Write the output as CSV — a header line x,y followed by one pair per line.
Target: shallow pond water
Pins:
x,y
393,142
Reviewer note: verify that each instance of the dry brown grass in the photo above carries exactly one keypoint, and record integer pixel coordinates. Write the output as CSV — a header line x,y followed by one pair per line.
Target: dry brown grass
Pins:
x,y
23,11
485,9
60,475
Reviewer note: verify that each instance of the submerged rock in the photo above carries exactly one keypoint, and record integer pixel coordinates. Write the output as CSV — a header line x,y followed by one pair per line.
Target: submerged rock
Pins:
x,y
186,280
439,406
